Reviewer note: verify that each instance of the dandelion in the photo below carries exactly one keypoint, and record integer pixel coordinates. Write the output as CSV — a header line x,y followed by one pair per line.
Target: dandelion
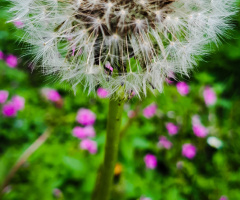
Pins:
x,y
86,117
189,151
150,161
12,61
172,128
150,111
133,45
3,96
209,95
126,47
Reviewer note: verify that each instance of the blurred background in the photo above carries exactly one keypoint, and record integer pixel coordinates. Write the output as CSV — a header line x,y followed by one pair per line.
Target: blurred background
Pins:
x,y
183,144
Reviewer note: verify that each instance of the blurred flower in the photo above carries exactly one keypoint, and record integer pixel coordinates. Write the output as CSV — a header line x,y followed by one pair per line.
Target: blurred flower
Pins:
x,y
86,117
150,161
189,151
102,93
79,132
169,81
200,131
131,114
118,169
57,193
89,131
18,102
164,142
150,110
51,94
214,142
196,120
3,96
89,145
145,198
12,61
180,164
172,128
1,55
209,95
170,76
9,110
183,88
223,198
19,24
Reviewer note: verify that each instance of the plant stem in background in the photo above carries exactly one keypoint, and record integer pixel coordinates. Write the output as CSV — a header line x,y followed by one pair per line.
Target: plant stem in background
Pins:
x,y
23,159
105,179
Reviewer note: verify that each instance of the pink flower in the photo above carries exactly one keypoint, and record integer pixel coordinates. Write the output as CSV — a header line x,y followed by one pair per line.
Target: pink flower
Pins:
x,y
18,102
168,80
172,128
150,111
3,96
183,88
12,61
19,24
209,95
9,110
79,132
200,131
145,198
150,161
89,131
189,151
1,55
196,120
164,142
89,145
131,114
108,66
84,132
51,94
102,93
86,117
223,198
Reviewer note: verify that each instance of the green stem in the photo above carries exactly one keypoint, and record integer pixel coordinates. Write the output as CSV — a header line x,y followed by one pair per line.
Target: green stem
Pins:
x,y
105,179
23,158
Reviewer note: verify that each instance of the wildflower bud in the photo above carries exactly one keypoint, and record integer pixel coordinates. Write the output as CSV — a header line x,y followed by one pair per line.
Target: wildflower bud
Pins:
x,y
189,151
172,128
3,96
150,161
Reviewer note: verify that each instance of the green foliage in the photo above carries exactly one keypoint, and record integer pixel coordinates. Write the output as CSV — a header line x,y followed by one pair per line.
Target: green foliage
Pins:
x,y
59,163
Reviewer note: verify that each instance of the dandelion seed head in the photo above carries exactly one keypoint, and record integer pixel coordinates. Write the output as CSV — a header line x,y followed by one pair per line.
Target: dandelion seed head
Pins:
x,y
143,40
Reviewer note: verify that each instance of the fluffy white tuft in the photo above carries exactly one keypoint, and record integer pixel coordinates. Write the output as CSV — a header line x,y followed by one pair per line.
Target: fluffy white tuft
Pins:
x,y
141,41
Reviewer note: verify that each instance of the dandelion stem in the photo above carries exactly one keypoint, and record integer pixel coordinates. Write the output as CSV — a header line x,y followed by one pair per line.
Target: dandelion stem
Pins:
x,y
105,179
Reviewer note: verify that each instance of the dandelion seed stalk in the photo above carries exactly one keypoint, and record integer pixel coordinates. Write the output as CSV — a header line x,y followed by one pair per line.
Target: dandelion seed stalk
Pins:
x,y
105,179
